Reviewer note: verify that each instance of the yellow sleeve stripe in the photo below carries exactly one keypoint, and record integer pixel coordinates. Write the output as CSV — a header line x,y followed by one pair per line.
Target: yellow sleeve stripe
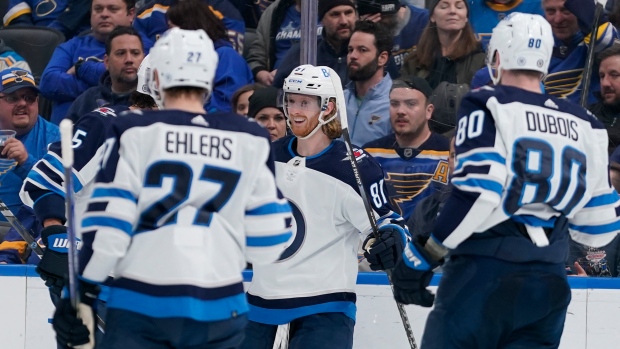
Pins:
x,y
18,10
156,8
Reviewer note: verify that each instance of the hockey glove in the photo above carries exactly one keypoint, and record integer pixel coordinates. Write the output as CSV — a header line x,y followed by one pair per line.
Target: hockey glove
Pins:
x,y
53,266
412,276
73,330
384,253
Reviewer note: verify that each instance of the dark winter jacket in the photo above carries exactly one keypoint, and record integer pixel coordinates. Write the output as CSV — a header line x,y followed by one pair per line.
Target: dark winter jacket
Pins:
x,y
97,97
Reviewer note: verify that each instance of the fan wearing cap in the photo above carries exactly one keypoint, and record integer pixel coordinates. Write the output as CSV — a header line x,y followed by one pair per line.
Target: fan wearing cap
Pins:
x,y
265,110
413,157
19,112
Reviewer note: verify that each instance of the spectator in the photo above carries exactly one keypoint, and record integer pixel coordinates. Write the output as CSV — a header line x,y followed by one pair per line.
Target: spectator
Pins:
x,y
571,22
265,110
251,10
151,19
405,22
338,20
448,55
595,261
368,94
484,15
241,98
78,64
232,71
19,112
68,16
414,159
11,59
278,29
607,109
448,50
123,55
601,261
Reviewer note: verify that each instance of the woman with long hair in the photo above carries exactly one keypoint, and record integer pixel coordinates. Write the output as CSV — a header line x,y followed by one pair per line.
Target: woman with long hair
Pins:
x,y
447,56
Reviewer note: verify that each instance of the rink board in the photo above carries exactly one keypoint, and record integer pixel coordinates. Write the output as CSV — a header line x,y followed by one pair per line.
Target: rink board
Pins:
x,y
592,322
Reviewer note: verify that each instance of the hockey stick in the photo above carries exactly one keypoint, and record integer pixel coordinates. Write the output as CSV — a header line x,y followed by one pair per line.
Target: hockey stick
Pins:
x,y
587,73
21,230
342,111
66,142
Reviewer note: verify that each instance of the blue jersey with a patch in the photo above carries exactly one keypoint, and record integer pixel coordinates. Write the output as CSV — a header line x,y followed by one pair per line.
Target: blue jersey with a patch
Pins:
x,y
485,15
151,20
33,12
411,174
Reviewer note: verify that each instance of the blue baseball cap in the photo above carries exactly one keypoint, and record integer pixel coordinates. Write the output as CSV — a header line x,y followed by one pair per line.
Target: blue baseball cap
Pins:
x,y
15,79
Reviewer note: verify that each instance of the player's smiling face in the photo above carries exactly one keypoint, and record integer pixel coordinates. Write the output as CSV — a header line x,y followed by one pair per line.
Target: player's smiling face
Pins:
x,y
409,112
450,15
303,113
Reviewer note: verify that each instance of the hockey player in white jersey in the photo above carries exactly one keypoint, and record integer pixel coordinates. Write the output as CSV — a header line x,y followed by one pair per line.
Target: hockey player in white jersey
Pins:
x,y
530,170
44,190
182,200
312,285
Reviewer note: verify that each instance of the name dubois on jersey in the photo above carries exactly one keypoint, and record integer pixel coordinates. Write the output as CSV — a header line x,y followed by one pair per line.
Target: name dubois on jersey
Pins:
x,y
549,123
206,145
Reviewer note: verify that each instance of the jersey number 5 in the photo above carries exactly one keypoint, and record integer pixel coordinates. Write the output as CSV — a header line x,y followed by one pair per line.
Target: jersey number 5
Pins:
x,y
164,211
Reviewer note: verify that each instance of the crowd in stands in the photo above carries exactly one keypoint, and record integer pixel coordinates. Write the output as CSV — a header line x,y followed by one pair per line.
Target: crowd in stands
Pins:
x,y
379,48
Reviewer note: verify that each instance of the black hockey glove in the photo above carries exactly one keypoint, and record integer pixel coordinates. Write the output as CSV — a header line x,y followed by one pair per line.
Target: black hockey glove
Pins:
x,y
72,330
412,275
53,267
384,253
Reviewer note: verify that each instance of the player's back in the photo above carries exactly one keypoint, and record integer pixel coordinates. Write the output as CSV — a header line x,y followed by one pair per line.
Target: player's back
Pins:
x,y
195,193
552,156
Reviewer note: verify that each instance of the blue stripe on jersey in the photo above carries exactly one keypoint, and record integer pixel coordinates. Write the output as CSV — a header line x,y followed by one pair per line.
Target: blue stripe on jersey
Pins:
x,y
596,229
478,157
270,208
184,307
108,222
37,178
486,184
284,316
114,193
602,200
266,241
77,186
535,221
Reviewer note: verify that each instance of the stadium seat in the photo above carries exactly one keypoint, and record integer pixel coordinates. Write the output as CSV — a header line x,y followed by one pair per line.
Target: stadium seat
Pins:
x,y
36,45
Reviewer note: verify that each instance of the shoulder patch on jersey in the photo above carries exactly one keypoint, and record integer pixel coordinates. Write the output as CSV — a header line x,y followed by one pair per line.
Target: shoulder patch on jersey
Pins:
x,y
105,111
358,153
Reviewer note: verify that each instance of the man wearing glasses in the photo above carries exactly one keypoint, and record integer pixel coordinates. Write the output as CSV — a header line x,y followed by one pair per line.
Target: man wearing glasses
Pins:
x,y
19,112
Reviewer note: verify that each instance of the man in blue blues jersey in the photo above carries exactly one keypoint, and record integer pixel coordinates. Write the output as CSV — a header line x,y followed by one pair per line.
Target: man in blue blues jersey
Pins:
x,y
531,169
414,159
182,200
312,285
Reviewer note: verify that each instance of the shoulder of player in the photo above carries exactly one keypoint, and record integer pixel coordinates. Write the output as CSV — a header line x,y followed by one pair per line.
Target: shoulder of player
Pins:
x,y
569,107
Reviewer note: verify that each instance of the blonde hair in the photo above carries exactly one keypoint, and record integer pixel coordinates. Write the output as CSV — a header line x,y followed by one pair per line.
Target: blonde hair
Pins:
x,y
332,129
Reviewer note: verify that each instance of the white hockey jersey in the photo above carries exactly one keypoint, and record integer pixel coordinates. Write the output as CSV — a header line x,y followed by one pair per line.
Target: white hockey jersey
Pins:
x,y
317,273
533,159
179,202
